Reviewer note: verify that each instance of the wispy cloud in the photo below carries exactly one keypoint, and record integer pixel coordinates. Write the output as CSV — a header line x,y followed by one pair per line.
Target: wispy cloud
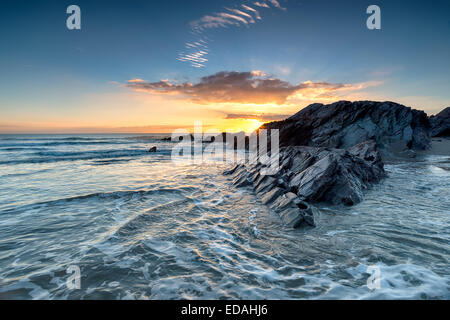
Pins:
x,y
254,87
196,52
135,80
264,4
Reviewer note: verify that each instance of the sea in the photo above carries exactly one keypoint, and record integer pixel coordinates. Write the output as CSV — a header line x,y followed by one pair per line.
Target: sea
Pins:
x,y
100,217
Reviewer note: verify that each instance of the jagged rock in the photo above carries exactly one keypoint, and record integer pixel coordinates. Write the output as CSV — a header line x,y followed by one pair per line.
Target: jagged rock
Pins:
x,y
331,153
242,179
267,182
367,150
294,212
292,218
344,124
271,195
440,124
232,170
297,215
152,149
335,176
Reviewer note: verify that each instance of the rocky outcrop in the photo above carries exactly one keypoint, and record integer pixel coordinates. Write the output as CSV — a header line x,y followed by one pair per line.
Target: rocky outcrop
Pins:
x,y
440,124
312,174
332,153
344,124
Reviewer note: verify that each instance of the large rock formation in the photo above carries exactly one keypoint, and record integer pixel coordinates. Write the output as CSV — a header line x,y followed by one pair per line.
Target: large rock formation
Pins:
x,y
343,124
440,124
312,174
330,154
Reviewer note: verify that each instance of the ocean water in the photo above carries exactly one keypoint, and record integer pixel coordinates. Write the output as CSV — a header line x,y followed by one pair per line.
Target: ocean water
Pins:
x,y
139,226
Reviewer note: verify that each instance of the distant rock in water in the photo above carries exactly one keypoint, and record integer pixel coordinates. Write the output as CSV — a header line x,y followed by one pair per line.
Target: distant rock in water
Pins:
x,y
152,149
440,124
344,124
313,174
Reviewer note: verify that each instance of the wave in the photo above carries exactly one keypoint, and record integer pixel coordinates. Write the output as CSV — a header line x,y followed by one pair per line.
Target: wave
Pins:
x,y
11,175
144,220
60,143
150,138
51,138
56,156
101,196
21,149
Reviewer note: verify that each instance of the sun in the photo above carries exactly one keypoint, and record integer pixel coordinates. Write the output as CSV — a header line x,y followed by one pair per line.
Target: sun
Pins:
x,y
237,125
253,125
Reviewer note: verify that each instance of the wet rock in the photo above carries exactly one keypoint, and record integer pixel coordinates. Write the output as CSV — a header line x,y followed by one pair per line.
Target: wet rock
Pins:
x,y
272,195
440,124
232,170
313,183
308,212
333,153
344,124
242,180
300,215
267,182
152,149
335,176
283,202
367,151
292,218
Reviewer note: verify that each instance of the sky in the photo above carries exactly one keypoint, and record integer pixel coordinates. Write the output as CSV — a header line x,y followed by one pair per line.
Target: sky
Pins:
x,y
157,66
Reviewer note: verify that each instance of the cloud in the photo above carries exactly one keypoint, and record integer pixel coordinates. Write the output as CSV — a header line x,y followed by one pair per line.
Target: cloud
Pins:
x,y
196,52
245,87
135,80
259,117
261,4
254,11
231,17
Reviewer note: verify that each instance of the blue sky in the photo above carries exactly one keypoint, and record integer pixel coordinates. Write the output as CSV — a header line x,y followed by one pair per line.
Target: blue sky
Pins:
x,y
55,79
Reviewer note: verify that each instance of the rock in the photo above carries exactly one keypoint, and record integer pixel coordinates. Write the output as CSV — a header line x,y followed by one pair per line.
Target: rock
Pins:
x,y
152,149
242,180
293,197
232,170
271,195
440,124
344,124
283,202
307,211
292,217
299,215
332,154
266,183
335,176
313,183
367,151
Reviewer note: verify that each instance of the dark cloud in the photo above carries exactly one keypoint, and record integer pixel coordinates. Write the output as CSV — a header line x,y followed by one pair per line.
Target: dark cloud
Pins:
x,y
239,87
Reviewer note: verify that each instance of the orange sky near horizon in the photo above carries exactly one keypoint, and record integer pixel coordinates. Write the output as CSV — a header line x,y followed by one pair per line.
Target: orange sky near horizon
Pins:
x,y
122,110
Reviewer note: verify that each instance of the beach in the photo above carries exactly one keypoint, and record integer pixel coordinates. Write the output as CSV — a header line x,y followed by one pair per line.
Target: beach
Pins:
x,y
140,227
